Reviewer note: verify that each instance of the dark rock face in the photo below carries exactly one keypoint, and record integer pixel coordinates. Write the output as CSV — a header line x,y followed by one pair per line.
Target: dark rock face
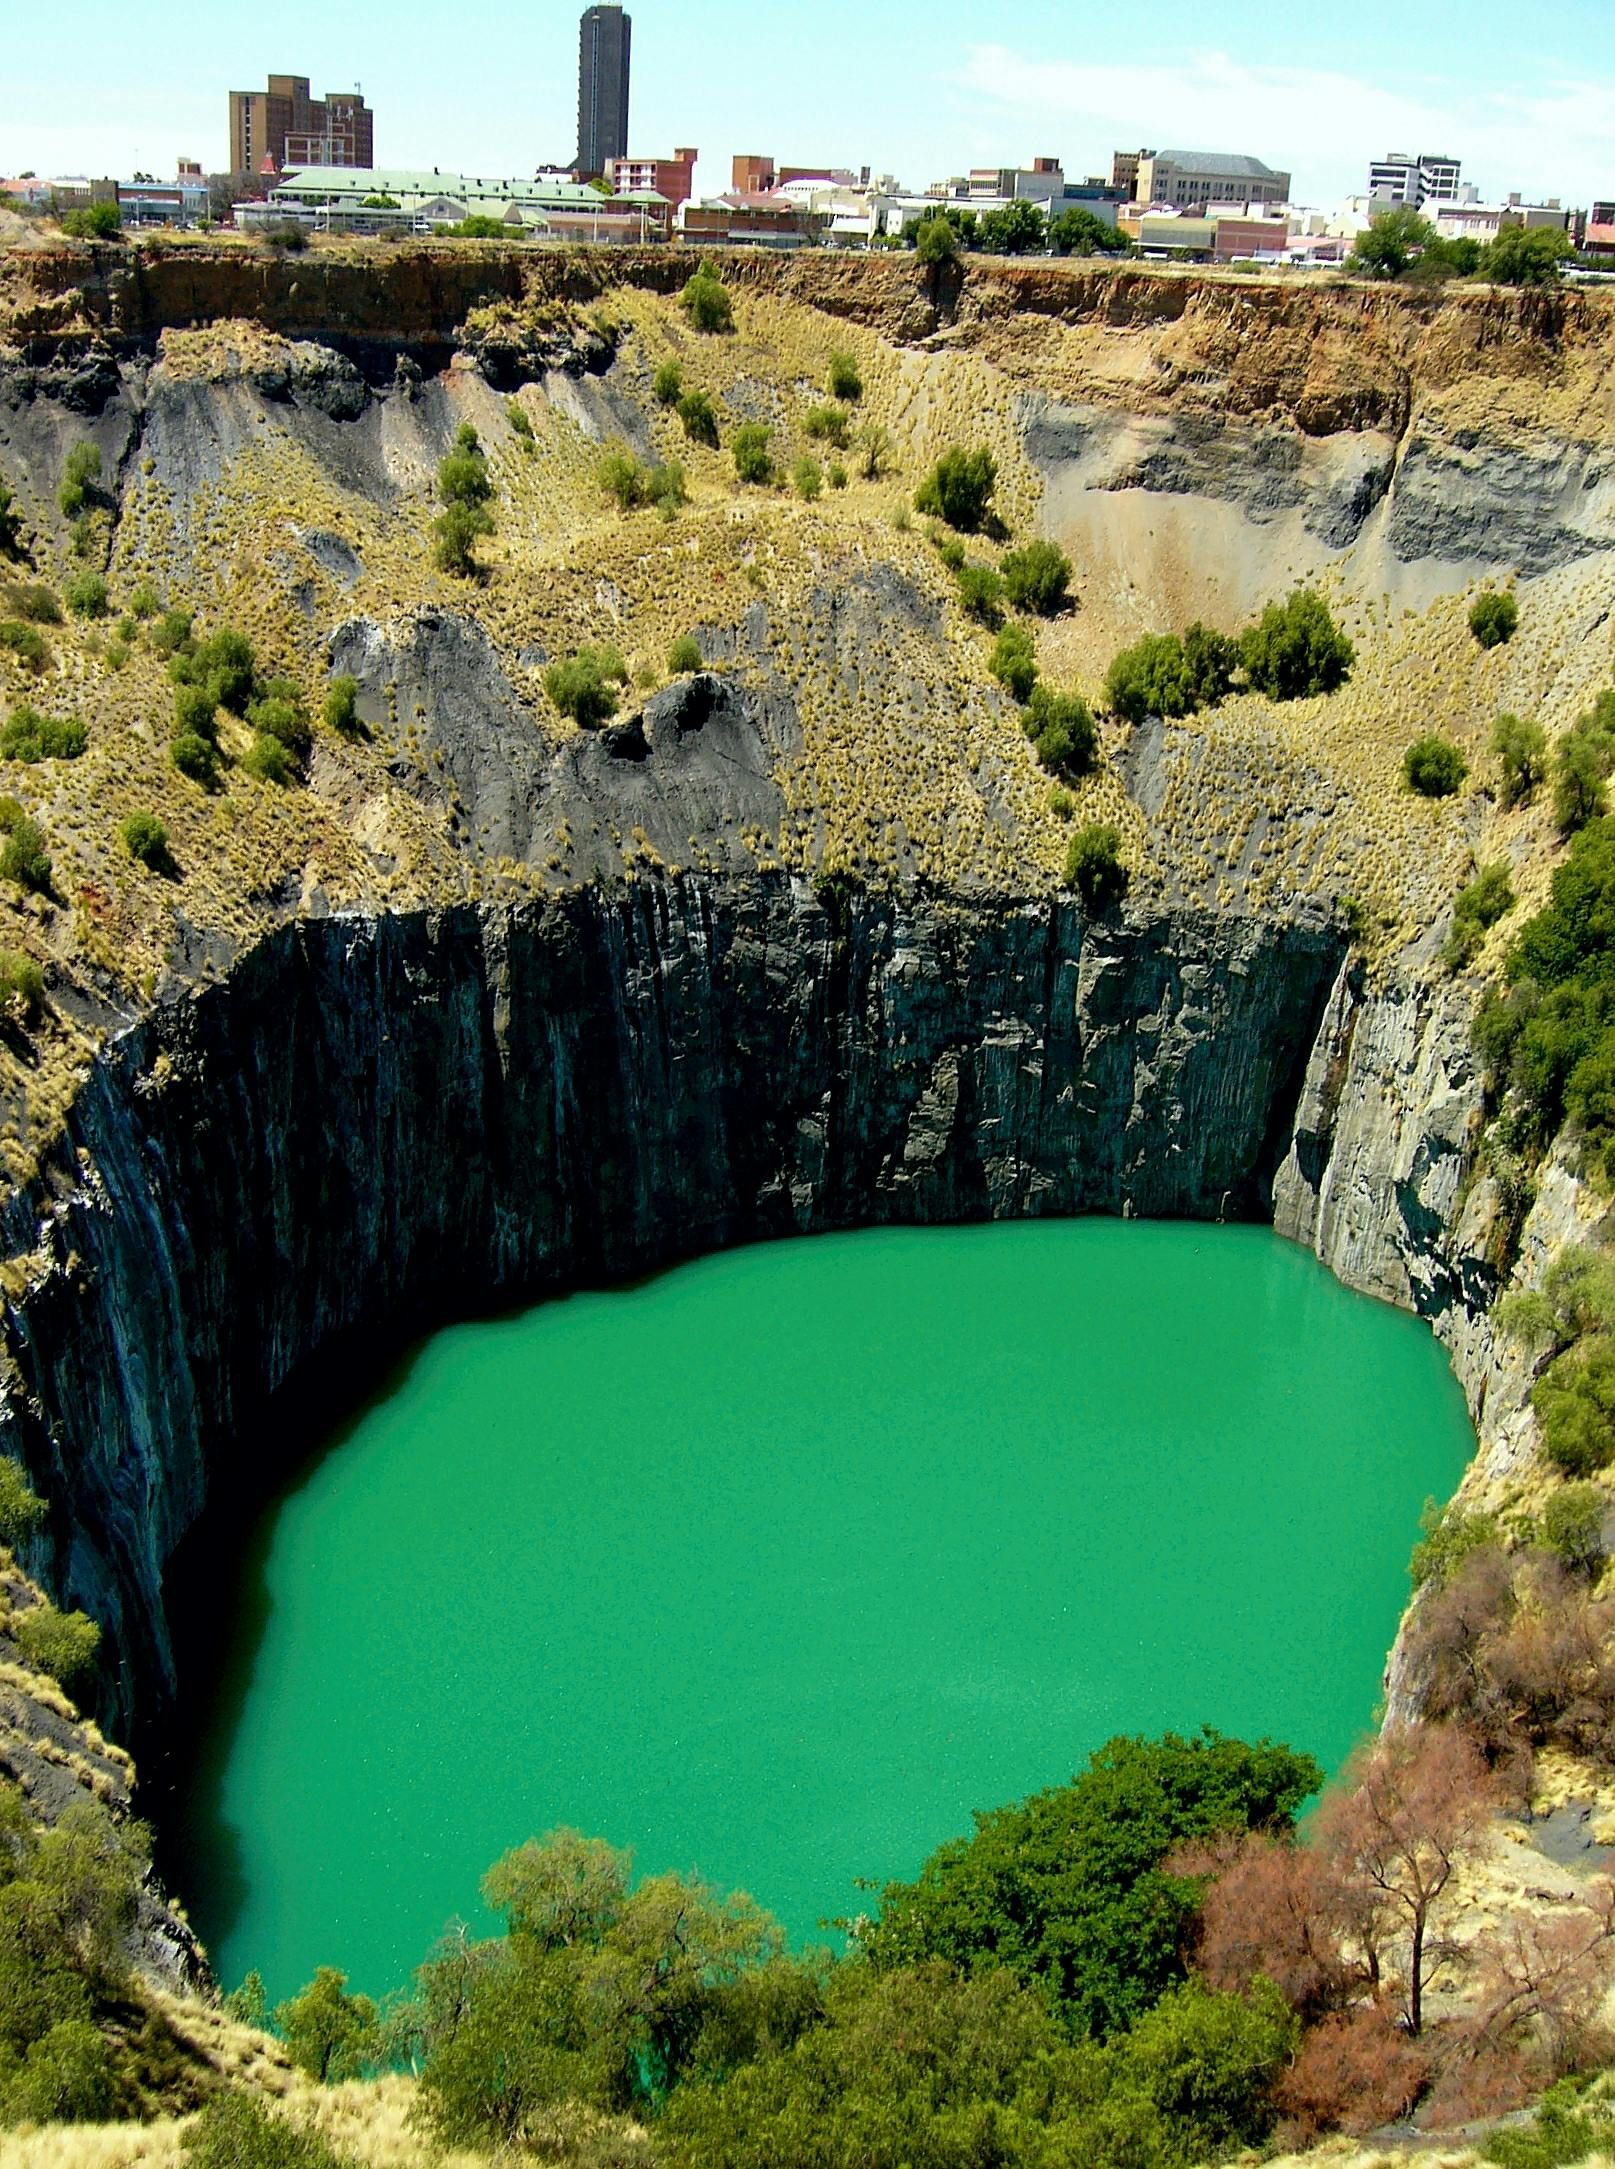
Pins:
x,y
390,1121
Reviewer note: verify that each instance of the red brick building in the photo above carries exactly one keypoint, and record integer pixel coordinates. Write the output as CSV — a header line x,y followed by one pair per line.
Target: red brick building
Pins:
x,y
672,177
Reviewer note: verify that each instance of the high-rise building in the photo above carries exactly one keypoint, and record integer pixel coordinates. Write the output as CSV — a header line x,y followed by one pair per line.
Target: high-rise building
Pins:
x,y
287,126
1430,177
605,38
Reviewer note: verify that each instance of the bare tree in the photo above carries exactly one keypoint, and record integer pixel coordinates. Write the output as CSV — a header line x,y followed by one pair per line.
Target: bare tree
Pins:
x,y
1413,1809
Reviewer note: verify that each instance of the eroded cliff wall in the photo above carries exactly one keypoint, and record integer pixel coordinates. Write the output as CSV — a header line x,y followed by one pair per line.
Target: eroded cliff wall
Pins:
x,y
377,1121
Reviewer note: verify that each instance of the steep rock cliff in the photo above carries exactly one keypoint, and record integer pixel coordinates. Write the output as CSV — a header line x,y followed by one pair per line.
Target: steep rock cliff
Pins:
x,y
381,1121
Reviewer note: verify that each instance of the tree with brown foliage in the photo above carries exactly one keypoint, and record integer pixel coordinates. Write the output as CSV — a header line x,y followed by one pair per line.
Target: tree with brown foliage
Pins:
x,y
1272,1911
1414,1808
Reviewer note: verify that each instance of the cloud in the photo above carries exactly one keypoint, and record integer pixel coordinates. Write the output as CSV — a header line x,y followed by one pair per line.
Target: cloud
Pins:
x,y
1548,138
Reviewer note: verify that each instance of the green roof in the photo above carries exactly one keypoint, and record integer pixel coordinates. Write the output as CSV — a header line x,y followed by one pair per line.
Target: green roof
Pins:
x,y
407,183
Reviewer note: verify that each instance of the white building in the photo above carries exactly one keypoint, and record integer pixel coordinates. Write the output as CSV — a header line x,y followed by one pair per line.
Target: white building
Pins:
x,y
1416,180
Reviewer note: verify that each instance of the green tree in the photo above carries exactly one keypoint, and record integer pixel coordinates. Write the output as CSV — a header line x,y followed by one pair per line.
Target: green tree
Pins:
x,y
754,461
1081,232
60,1643
196,757
1522,755
1094,866
981,595
81,475
1069,1891
707,303
86,595
1527,256
30,736
1152,677
1495,617
21,1510
1485,900
268,760
842,379
342,706
959,488
1573,1526
94,222
23,857
1013,661
26,643
1389,244
1038,578
1014,230
1296,649
829,425
144,837
807,479
581,686
1061,727
67,2076
455,534
1434,767
699,419
684,656
477,227
22,995
328,2033
935,242
10,524
667,386
875,450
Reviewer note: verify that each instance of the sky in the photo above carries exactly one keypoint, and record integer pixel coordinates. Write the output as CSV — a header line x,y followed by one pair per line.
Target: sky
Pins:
x,y
1526,98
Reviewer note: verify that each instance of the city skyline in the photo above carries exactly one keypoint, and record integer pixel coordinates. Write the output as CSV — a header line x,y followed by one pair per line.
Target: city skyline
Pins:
x,y
1535,120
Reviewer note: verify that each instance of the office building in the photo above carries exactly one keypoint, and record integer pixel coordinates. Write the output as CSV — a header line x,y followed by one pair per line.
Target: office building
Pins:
x,y
1190,180
286,126
605,42
1429,177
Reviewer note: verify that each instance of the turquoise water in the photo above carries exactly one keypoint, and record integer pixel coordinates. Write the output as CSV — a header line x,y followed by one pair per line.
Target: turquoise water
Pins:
x,y
778,1565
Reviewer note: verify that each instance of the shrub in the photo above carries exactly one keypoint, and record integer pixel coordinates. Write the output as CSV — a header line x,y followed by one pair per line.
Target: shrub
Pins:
x,y
22,991
1522,755
1573,1526
807,479
699,419
753,462
26,643
829,425
1038,579
32,600
10,524
959,488
1296,649
81,472
581,687
86,595
195,757
520,421
1488,898
1013,661
1526,256
666,488
21,1510
342,706
196,712
144,603
684,656
455,534
842,380
1061,726
621,477
30,736
477,227
1094,867
144,837
1434,767
462,479
1495,618
23,858
935,241
93,222
836,475
707,303
1449,1537
171,635
60,1643
981,595
237,2131
668,384
65,2077
268,760
1585,758
223,666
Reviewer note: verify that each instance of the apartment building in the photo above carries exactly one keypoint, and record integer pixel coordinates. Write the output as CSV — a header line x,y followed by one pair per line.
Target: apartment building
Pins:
x,y
286,126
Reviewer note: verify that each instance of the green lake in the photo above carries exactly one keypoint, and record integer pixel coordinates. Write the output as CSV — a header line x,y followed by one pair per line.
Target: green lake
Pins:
x,y
779,1564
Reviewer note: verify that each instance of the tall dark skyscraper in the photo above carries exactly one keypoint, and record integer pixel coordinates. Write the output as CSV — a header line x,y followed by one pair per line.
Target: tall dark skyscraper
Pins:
x,y
603,49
